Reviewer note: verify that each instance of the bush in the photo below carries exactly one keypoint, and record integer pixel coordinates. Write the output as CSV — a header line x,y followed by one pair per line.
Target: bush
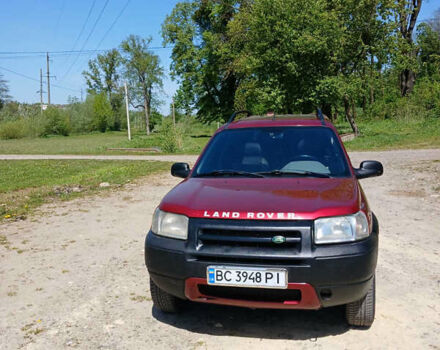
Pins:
x,y
13,130
102,113
426,94
81,115
56,122
170,136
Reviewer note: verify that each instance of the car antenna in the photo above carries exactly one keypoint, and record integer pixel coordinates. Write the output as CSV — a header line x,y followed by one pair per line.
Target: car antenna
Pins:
x,y
320,116
232,118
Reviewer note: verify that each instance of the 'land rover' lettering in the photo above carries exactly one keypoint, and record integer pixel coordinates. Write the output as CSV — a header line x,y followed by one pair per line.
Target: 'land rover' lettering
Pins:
x,y
248,215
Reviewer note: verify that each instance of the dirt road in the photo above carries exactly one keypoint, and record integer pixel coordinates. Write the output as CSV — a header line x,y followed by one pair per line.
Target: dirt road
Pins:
x,y
73,275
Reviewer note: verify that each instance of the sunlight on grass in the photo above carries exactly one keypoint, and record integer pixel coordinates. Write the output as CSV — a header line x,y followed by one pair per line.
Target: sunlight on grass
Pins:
x,y
26,184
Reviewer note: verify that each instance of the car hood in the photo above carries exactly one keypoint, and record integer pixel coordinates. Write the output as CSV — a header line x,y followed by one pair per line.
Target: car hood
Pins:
x,y
264,198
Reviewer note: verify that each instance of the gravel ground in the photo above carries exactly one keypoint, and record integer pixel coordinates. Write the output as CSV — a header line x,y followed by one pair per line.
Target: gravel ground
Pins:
x,y
73,275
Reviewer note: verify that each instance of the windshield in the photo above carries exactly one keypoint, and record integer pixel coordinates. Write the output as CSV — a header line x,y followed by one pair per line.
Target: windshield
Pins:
x,y
274,151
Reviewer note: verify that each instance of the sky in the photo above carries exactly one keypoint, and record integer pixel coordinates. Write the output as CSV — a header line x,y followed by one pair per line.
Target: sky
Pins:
x,y
64,25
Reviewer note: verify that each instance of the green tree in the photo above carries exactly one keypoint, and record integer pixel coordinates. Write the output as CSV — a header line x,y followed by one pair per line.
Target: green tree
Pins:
x,y
103,75
4,91
102,112
407,13
286,48
428,40
198,31
56,122
143,71
183,99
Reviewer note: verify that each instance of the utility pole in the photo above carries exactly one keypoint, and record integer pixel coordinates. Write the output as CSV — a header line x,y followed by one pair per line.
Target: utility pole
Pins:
x,y
41,89
81,94
48,78
174,115
128,114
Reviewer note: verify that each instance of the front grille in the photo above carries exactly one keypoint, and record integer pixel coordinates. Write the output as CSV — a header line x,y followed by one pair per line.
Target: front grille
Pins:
x,y
251,294
247,238
249,241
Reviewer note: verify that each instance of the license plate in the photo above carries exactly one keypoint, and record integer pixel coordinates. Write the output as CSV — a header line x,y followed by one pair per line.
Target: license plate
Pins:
x,y
246,277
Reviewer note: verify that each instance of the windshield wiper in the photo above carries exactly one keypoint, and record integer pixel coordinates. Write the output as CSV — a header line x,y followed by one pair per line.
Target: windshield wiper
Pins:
x,y
294,173
229,173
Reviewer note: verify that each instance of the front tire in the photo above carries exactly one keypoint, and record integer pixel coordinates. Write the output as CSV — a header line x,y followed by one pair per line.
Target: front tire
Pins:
x,y
361,313
164,301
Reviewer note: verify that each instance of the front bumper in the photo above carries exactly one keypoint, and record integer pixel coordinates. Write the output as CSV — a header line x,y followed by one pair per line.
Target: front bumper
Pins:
x,y
325,275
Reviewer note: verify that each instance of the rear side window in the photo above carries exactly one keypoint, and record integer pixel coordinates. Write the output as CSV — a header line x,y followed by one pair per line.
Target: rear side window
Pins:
x,y
308,149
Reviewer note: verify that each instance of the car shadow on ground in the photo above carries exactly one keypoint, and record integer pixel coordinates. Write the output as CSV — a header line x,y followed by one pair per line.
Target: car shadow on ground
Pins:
x,y
258,323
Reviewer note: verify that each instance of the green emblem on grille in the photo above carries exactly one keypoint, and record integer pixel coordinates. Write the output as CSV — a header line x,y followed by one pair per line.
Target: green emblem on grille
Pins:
x,y
278,239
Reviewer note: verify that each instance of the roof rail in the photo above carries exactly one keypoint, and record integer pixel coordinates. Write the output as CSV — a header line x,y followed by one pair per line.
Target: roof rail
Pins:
x,y
320,116
232,118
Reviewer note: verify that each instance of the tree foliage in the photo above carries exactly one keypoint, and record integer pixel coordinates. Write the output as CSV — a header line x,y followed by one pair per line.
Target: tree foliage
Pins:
x,y
4,91
102,112
103,74
143,71
294,55
198,31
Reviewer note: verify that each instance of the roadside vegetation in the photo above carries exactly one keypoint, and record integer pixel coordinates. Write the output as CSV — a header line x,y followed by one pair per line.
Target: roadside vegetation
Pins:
x,y
26,184
188,137
372,66
380,135
376,134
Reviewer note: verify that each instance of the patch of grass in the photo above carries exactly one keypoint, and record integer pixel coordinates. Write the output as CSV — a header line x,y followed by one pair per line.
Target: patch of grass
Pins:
x,y
193,142
375,135
29,329
26,184
94,143
394,134
140,298
4,242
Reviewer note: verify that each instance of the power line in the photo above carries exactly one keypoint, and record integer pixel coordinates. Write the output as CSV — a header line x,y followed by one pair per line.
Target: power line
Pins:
x,y
30,78
59,18
4,57
87,39
113,24
84,25
70,51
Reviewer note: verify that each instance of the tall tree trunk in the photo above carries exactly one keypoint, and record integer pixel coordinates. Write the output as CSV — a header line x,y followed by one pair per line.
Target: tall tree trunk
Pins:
x,y
147,115
407,21
335,114
350,115
407,81
371,79
327,110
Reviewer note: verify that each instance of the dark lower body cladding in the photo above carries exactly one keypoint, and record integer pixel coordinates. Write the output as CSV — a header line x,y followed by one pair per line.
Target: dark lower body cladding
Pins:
x,y
332,275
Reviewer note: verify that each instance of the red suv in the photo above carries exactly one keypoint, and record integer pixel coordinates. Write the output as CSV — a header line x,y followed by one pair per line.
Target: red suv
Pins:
x,y
271,216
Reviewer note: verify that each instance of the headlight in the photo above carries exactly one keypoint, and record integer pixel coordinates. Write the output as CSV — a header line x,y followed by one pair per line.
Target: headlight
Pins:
x,y
341,228
170,225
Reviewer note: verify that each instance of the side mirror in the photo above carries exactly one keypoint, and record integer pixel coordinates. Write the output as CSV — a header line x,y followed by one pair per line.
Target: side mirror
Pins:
x,y
180,170
369,168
